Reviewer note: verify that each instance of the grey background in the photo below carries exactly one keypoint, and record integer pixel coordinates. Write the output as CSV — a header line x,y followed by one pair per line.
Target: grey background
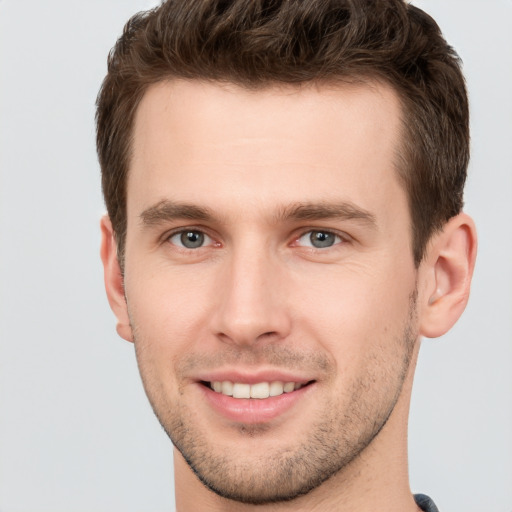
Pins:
x,y
76,433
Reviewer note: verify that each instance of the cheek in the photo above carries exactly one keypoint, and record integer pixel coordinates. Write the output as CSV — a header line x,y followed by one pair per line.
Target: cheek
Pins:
x,y
356,313
167,305
164,315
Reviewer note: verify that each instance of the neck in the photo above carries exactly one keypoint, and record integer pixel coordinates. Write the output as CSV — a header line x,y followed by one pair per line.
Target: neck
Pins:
x,y
376,480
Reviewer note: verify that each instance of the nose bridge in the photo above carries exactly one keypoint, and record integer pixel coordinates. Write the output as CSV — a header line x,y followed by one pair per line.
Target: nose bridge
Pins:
x,y
251,305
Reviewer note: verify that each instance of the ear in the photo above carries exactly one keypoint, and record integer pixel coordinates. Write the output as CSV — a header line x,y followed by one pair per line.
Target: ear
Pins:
x,y
114,285
448,268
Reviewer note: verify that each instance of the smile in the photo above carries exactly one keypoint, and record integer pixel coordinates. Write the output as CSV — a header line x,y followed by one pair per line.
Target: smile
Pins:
x,y
256,402
260,390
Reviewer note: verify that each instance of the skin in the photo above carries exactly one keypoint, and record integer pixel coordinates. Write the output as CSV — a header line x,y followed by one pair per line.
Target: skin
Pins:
x,y
257,173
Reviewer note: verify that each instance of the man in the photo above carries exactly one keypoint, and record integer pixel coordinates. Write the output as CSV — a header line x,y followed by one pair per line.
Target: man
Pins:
x,y
284,191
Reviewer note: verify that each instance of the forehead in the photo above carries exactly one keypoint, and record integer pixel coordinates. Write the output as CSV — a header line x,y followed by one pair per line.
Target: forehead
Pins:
x,y
233,147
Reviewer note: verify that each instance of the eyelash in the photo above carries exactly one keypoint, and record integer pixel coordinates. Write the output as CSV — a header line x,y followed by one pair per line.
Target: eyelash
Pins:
x,y
182,232
338,238
326,233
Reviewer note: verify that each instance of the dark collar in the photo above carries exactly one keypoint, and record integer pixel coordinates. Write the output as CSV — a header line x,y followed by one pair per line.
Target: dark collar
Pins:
x,y
425,503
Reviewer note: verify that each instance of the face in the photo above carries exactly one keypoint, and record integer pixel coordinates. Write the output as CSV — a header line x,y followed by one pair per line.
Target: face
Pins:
x,y
269,278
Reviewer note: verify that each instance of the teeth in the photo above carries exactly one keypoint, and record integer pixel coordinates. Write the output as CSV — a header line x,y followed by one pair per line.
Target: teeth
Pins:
x,y
276,389
241,390
260,390
226,388
289,387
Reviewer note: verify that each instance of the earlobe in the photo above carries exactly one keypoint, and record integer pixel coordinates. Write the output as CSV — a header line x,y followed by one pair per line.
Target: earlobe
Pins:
x,y
449,265
114,285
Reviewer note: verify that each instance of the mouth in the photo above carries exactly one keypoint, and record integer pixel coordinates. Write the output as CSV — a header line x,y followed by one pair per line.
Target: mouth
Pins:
x,y
259,390
256,396
256,402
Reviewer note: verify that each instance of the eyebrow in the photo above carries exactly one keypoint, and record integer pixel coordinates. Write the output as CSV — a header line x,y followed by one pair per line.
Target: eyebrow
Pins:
x,y
165,211
326,210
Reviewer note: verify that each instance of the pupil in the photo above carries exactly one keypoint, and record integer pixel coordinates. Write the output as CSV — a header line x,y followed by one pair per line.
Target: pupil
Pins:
x,y
321,239
192,239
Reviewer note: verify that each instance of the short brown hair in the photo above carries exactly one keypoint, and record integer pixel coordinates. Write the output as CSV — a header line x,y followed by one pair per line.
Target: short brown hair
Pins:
x,y
257,43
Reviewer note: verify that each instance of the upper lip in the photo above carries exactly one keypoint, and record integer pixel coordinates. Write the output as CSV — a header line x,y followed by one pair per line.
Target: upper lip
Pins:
x,y
252,377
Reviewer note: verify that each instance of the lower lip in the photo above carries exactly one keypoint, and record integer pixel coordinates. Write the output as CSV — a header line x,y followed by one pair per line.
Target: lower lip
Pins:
x,y
253,410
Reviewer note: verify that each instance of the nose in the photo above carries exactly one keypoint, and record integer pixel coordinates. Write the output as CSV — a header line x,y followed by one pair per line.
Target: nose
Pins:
x,y
252,306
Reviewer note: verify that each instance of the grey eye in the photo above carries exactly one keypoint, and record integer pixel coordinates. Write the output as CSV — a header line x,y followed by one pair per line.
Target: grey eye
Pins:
x,y
319,239
191,239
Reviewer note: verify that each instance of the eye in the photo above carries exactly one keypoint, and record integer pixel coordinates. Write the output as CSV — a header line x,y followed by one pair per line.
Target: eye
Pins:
x,y
190,239
319,239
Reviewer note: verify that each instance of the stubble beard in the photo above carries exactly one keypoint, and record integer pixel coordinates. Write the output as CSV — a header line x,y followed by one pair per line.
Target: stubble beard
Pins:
x,y
333,442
